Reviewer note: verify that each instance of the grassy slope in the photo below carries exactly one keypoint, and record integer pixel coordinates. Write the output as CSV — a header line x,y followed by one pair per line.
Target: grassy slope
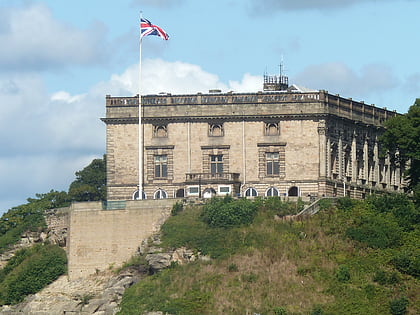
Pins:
x,y
271,266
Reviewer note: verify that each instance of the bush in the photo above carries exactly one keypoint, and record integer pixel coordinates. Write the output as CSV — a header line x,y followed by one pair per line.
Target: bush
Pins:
x,y
408,263
343,274
384,278
398,306
279,310
317,310
376,231
32,270
228,212
177,208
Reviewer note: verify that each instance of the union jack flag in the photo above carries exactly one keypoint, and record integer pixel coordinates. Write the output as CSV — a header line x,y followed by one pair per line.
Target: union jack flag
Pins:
x,y
147,28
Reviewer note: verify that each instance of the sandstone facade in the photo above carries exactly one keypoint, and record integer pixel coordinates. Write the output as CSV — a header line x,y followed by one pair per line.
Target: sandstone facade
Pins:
x,y
272,143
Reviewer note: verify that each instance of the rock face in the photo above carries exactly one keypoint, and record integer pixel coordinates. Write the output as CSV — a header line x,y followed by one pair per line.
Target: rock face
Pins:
x,y
56,233
98,294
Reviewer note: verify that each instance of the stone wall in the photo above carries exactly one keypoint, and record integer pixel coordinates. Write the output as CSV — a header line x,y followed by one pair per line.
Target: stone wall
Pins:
x,y
100,239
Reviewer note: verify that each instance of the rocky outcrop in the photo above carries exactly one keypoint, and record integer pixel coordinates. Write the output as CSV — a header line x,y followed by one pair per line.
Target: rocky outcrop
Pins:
x,y
102,292
98,294
159,259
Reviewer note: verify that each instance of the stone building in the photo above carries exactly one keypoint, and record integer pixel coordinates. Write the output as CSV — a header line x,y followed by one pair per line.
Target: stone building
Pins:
x,y
283,141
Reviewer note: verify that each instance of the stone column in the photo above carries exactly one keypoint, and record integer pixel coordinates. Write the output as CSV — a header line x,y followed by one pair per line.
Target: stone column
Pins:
x,y
354,158
328,158
376,161
340,158
366,159
322,149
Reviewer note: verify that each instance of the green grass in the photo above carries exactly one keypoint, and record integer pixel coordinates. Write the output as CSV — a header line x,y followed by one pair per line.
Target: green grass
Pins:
x,y
268,266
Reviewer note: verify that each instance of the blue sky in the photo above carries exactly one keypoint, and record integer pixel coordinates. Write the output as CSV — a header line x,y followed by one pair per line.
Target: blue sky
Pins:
x,y
60,58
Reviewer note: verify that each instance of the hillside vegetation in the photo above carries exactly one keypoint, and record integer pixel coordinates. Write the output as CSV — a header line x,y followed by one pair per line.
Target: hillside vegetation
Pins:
x,y
358,257
31,269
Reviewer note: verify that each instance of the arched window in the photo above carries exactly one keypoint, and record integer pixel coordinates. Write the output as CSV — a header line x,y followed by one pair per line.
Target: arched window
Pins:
x,y
180,193
272,129
160,131
209,192
293,191
136,195
160,194
251,192
272,192
216,130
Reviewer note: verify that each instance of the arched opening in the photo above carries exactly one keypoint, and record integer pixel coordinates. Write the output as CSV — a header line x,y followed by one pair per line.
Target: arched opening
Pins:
x,y
180,193
160,194
272,192
136,195
251,192
293,191
209,192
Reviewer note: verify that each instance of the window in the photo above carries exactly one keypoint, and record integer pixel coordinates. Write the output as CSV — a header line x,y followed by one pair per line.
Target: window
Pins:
x,y
216,164
136,195
251,192
272,162
193,190
161,166
293,191
223,190
272,192
160,131
161,194
216,130
272,129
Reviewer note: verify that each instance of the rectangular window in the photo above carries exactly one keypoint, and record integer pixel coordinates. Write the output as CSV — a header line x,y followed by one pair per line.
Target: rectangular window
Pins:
x,y
161,166
193,190
216,164
223,190
272,161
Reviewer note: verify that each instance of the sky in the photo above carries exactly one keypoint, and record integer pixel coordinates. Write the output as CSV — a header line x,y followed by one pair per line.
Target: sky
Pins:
x,y
60,58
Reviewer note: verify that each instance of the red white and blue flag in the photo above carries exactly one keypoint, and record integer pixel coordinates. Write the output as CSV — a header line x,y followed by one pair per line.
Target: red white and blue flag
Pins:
x,y
147,28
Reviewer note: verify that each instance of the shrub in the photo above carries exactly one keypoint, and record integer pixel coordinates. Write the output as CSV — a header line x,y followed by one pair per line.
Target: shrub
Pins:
x,y
228,212
317,310
376,231
279,310
398,306
408,263
384,278
343,273
177,208
41,265
233,267
346,203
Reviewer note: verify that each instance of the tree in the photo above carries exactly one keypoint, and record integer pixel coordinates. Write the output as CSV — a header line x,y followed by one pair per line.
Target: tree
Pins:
x,y
90,183
402,139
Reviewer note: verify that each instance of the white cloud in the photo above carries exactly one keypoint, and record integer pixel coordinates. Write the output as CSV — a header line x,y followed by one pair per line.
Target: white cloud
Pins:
x,y
339,78
34,40
162,4
270,6
46,138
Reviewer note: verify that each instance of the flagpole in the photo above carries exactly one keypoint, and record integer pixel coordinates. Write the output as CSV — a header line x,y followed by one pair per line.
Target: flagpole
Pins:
x,y
140,122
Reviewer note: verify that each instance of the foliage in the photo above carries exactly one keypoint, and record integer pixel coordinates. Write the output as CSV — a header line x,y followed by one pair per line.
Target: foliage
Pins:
x,y
331,273
279,310
29,271
407,262
177,208
401,139
343,273
28,217
399,306
90,183
228,212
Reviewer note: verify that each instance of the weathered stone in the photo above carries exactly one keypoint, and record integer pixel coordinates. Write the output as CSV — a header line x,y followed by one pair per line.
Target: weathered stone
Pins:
x,y
159,261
